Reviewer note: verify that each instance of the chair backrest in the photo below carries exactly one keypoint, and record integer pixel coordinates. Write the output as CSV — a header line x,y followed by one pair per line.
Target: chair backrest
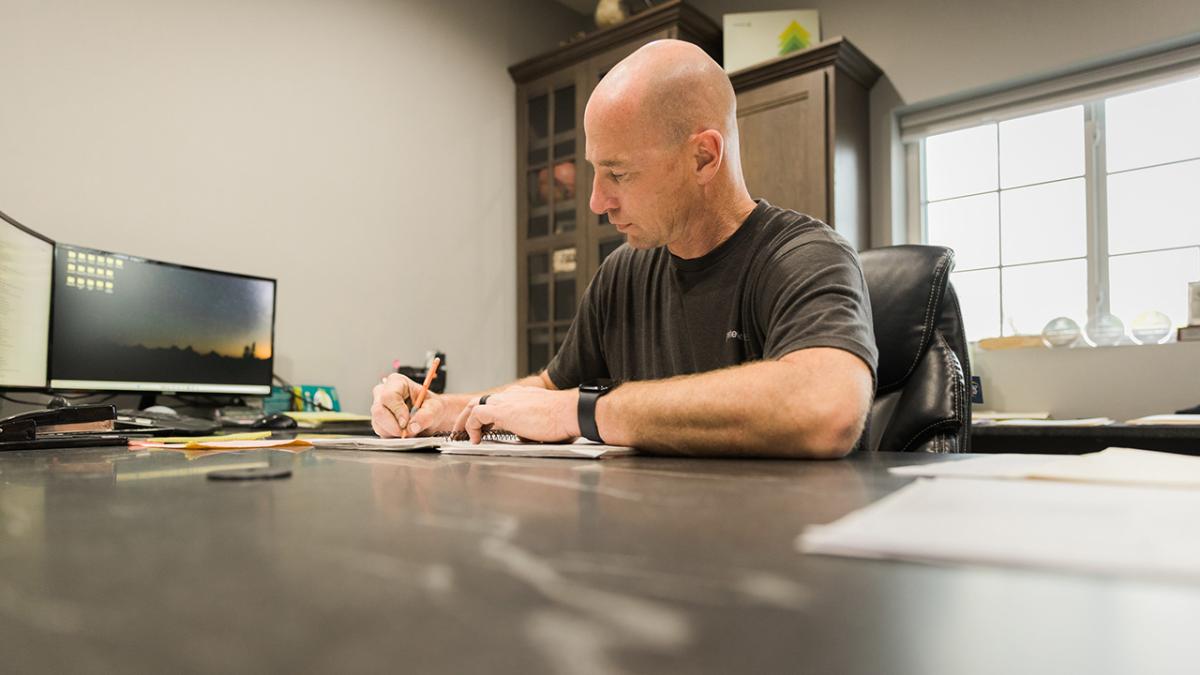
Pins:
x,y
921,402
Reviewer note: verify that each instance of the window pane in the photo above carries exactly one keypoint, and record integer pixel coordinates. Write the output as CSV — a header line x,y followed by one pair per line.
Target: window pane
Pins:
x,y
1153,126
979,298
1043,147
970,226
1044,222
1034,294
1158,281
960,162
1154,208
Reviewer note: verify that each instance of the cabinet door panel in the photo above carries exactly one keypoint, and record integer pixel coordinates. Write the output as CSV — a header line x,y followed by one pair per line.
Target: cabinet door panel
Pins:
x,y
784,143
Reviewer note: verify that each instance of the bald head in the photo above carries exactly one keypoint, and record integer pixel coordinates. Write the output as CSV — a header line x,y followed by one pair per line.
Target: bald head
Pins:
x,y
669,87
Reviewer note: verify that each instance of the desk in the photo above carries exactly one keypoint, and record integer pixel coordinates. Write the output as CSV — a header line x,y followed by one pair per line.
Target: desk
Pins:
x,y
987,438
121,561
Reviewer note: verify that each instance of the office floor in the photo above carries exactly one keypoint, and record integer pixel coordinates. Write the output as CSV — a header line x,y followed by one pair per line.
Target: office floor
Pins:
x,y
119,561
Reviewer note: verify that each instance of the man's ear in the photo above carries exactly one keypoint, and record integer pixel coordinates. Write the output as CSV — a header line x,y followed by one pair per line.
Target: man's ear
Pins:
x,y
709,148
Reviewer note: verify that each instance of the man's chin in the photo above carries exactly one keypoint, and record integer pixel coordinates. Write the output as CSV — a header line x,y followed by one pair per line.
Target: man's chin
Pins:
x,y
638,243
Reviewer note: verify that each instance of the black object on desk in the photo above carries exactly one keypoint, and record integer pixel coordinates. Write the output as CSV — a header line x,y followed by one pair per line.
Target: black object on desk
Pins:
x,y
165,423
60,427
993,438
275,421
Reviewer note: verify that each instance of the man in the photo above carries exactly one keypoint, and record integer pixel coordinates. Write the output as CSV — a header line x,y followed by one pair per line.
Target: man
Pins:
x,y
732,327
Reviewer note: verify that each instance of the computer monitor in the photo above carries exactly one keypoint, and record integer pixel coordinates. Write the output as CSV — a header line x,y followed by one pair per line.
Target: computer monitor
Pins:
x,y
123,323
26,274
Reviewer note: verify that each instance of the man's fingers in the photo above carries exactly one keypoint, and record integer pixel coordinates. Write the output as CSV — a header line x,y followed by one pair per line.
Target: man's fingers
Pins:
x,y
425,417
482,416
390,402
383,422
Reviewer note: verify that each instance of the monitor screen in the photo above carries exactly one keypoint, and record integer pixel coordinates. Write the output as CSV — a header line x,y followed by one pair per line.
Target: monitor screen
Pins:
x,y
122,323
26,264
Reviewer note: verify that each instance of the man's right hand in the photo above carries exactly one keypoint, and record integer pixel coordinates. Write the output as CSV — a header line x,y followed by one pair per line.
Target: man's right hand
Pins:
x,y
393,399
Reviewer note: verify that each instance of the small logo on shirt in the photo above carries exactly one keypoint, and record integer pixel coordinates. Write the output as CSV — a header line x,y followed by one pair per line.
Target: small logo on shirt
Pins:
x,y
734,335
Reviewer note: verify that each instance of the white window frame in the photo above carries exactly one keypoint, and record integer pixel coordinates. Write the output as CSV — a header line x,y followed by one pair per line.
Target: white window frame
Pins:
x,y
1089,86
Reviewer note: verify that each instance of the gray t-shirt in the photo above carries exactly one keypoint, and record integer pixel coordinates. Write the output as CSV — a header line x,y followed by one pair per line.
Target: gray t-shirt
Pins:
x,y
782,282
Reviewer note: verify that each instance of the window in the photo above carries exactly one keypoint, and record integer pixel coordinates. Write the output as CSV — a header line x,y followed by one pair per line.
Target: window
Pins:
x,y
1080,210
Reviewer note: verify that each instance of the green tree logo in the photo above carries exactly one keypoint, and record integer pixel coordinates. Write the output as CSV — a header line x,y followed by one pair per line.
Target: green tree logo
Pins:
x,y
793,38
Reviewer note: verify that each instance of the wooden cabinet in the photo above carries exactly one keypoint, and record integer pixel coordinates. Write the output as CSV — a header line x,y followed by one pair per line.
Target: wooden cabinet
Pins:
x,y
560,242
804,126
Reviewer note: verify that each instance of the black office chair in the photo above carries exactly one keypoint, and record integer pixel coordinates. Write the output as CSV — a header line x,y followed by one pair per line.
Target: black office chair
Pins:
x,y
921,396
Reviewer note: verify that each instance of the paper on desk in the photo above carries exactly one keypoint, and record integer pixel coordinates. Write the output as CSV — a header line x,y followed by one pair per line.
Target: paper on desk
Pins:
x,y
1170,420
244,444
1112,465
1075,527
580,449
244,436
994,415
1083,422
376,443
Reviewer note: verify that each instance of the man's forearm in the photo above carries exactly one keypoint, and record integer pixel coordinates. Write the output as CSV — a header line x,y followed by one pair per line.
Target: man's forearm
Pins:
x,y
767,408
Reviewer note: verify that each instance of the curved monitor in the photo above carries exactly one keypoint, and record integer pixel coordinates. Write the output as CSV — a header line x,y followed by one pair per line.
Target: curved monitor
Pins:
x,y
123,323
26,269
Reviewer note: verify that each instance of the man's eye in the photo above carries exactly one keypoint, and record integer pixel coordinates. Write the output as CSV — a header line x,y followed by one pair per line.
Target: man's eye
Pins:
x,y
617,177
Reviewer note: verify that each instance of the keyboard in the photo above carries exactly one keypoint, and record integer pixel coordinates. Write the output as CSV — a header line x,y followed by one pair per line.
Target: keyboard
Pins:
x,y
164,423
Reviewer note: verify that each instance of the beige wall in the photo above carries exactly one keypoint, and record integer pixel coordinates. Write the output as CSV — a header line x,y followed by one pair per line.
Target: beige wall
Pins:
x,y
361,151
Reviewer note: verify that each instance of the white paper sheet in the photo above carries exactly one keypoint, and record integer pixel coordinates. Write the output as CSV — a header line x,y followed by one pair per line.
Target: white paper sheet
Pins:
x,y
1112,465
1077,527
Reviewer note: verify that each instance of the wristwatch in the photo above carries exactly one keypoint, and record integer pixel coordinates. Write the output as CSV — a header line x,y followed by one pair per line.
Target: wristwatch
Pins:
x,y
589,394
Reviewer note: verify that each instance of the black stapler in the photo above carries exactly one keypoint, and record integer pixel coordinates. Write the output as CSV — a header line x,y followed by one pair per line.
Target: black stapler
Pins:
x,y
69,426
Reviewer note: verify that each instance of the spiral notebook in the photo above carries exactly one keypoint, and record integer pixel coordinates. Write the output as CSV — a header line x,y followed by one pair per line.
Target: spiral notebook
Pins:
x,y
498,444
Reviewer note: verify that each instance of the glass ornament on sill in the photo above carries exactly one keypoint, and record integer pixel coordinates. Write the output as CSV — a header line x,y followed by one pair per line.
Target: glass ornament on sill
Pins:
x,y
1104,330
1151,328
1061,332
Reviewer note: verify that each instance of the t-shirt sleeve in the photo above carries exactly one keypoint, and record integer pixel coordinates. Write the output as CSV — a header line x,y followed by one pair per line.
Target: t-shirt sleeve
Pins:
x,y
814,295
580,359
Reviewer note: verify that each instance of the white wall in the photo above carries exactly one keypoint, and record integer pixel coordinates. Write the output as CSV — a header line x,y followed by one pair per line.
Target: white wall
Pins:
x,y
360,151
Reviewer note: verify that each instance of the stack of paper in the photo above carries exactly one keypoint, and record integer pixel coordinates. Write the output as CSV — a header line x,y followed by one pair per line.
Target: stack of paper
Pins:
x,y
1120,511
1082,422
1077,527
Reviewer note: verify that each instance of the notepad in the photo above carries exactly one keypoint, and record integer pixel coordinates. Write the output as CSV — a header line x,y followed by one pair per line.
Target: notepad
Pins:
x,y
499,445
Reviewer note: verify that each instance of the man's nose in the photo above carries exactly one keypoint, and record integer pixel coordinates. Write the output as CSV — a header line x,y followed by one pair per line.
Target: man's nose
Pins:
x,y
599,203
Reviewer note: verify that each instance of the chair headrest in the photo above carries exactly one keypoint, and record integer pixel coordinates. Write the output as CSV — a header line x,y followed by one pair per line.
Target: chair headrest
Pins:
x,y
907,285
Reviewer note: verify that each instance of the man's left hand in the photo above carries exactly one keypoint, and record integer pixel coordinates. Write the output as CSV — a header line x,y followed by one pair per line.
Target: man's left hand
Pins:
x,y
530,412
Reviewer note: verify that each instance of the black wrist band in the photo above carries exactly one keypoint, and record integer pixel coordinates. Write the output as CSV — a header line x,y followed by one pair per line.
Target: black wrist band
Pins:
x,y
589,395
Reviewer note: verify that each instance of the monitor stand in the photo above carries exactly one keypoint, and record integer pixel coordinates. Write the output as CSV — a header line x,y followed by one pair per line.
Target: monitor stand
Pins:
x,y
147,400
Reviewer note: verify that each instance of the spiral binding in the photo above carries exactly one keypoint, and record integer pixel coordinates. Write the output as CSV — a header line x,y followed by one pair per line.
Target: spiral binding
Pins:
x,y
494,436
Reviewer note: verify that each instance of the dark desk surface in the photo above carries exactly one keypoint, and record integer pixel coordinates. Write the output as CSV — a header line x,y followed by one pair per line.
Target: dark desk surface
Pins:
x,y
988,438
120,561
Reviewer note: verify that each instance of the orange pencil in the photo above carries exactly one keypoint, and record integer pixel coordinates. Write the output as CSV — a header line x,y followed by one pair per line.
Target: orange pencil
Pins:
x,y
432,373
